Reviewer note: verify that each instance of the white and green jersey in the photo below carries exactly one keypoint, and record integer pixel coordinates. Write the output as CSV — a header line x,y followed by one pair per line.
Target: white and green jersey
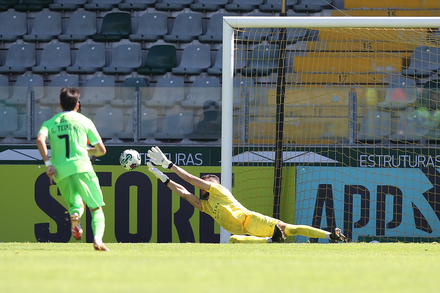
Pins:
x,y
68,133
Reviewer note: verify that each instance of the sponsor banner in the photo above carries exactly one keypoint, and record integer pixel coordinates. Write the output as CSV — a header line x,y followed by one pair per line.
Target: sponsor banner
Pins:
x,y
370,202
182,156
139,208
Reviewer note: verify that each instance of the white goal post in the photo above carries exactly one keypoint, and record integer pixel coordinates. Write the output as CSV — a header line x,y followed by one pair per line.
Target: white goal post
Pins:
x,y
233,22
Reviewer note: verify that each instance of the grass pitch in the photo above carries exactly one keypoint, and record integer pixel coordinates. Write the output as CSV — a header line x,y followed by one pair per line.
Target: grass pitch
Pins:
x,y
190,267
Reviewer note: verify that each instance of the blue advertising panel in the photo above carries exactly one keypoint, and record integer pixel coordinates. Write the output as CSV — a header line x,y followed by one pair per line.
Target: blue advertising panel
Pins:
x,y
370,203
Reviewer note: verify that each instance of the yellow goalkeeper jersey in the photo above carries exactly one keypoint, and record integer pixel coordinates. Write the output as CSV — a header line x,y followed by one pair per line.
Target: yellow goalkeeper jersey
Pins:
x,y
225,209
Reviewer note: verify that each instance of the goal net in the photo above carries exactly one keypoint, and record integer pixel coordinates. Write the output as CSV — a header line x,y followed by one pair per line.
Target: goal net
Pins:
x,y
334,122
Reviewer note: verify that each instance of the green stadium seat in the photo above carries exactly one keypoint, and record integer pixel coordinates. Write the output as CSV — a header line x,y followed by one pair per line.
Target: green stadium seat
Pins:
x,y
160,60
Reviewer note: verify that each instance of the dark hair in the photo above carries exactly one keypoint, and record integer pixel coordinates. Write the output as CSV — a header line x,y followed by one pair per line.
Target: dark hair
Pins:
x,y
69,97
211,177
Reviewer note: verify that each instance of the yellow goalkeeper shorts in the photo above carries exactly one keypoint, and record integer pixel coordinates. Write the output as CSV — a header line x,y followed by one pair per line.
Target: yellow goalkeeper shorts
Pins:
x,y
259,225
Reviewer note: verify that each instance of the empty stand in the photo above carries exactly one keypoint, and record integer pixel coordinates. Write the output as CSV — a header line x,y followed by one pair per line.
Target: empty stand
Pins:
x,y
148,124
411,127
401,92
101,5
187,27
13,25
52,97
209,126
160,60
19,59
41,114
201,91
214,33
169,91
126,58
47,26
54,59
173,5
424,62
208,5
151,27
241,6
177,124
80,27
4,89
89,59
195,59
312,6
98,91
130,86
294,35
216,69
115,27
32,5
136,5
24,86
274,6
8,120
109,121
67,5
244,91
263,61
254,35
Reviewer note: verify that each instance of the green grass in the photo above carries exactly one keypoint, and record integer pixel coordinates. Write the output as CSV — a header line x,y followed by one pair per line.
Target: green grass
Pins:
x,y
356,267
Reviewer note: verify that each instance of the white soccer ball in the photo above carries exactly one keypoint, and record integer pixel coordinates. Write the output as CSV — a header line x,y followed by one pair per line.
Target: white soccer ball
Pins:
x,y
130,159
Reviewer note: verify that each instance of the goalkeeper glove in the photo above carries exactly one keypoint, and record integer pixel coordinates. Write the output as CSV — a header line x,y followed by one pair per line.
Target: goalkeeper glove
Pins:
x,y
161,176
158,158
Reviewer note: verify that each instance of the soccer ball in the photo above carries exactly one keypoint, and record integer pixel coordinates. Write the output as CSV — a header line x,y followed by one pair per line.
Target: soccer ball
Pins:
x,y
130,159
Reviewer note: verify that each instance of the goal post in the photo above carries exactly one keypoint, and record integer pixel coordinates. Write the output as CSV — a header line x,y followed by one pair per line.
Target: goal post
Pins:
x,y
346,156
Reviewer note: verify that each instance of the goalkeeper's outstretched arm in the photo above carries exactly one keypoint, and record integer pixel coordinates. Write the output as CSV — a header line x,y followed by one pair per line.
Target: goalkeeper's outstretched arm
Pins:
x,y
176,187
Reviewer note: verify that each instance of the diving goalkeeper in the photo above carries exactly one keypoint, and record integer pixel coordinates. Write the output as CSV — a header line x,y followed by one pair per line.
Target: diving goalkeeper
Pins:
x,y
245,226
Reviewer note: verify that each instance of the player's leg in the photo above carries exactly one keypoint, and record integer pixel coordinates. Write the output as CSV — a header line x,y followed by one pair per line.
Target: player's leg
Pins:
x,y
247,239
311,232
261,226
92,196
74,203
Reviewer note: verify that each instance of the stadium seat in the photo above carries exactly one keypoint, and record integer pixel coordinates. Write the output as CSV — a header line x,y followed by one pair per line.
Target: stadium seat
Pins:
x,y
99,90
214,33
90,58
41,114
101,5
32,5
173,5
312,6
187,27
242,6
8,120
23,86
126,58
177,125
80,27
216,69
52,97
169,91
160,60
274,6
13,25
47,26
375,126
5,5
195,59
244,88
4,89
294,35
254,35
115,27
19,59
209,126
202,90
129,87
208,5
262,62
67,5
54,59
411,127
136,5
148,124
424,62
109,121
151,27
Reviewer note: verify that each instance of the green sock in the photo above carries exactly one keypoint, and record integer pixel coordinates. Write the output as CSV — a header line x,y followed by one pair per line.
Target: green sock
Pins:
x,y
293,230
98,223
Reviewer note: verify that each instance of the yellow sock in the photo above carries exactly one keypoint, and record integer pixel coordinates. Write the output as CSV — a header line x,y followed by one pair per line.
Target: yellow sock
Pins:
x,y
294,230
246,239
